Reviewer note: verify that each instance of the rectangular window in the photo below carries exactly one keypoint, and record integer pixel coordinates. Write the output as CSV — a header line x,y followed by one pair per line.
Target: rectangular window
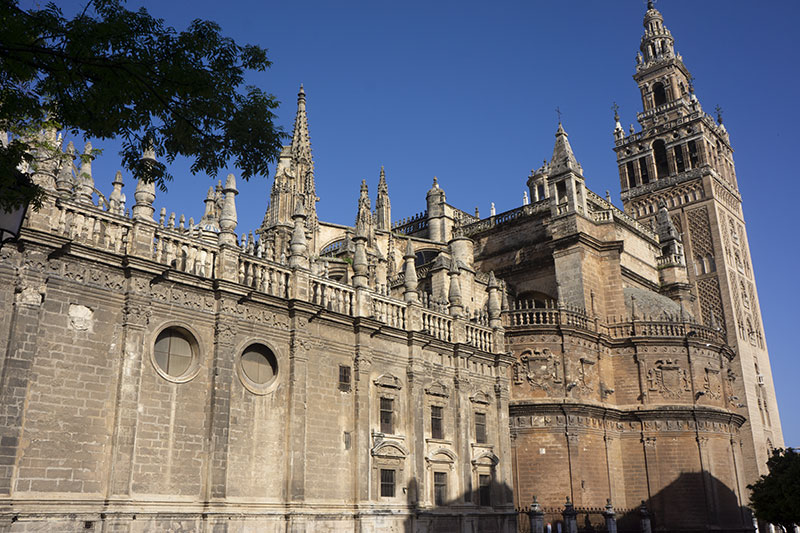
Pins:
x,y
439,487
540,191
387,483
387,415
344,378
485,490
694,160
679,158
480,428
437,431
643,170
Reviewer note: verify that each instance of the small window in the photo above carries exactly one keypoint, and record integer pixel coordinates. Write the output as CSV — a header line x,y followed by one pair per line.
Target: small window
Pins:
x,y
439,488
660,154
659,94
174,351
540,191
631,174
387,415
480,428
387,483
259,364
485,490
437,431
694,159
344,378
679,162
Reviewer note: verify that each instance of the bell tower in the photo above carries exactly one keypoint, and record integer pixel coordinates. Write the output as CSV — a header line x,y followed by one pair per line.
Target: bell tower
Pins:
x,y
682,160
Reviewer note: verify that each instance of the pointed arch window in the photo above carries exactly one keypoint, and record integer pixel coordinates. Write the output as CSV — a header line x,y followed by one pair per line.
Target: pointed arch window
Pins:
x,y
659,94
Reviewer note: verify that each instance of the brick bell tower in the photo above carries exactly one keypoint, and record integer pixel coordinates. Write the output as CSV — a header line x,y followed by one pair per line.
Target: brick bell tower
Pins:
x,y
682,158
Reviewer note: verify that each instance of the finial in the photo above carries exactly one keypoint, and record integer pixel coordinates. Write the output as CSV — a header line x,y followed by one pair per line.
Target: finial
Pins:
x,y
718,109
492,211
558,112
525,200
435,182
650,4
608,196
615,107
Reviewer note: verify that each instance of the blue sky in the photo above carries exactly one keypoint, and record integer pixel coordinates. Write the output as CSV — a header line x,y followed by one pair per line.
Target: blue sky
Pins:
x,y
467,91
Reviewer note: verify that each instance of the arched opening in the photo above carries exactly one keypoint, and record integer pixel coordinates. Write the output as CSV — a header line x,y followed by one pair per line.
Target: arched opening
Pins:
x,y
659,94
660,154
631,174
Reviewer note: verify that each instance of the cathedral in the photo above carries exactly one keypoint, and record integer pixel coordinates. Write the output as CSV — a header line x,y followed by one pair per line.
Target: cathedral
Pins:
x,y
438,372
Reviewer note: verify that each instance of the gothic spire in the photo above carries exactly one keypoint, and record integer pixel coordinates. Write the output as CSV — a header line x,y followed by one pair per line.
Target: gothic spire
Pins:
x,y
657,42
383,206
301,142
563,158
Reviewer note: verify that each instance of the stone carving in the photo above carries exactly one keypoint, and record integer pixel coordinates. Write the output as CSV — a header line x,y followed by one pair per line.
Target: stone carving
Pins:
x,y
668,379
480,397
712,383
388,381
137,314
80,317
438,389
540,368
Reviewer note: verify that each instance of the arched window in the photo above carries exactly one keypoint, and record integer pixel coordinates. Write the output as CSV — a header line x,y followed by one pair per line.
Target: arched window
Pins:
x,y
660,153
659,94
631,174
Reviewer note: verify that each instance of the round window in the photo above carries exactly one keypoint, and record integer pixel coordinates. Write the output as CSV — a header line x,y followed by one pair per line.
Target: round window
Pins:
x,y
174,351
259,364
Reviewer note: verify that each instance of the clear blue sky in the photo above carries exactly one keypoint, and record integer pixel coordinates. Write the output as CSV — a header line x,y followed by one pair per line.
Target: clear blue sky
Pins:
x,y
467,91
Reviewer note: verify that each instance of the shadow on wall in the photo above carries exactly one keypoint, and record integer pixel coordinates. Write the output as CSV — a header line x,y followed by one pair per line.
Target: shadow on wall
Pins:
x,y
693,502
486,509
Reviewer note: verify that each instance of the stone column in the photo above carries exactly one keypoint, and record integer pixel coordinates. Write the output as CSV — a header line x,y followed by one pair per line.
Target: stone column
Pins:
x,y
225,334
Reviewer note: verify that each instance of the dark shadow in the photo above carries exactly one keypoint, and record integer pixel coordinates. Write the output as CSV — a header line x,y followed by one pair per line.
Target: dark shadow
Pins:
x,y
462,513
694,502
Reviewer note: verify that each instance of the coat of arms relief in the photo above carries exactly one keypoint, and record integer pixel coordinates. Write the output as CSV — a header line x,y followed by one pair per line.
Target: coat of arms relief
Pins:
x,y
668,378
540,368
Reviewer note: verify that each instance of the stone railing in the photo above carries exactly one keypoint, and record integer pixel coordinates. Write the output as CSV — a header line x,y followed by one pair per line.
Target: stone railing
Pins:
x,y
389,311
411,225
437,325
663,261
264,276
548,318
619,215
541,206
183,252
333,296
91,225
479,337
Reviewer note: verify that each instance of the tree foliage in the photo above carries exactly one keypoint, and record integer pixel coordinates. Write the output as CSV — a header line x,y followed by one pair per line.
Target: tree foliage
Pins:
x,y
775,498
110,72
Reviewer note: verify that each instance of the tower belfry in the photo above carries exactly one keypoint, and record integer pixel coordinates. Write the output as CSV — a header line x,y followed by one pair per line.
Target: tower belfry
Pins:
x,y
682,161
294,182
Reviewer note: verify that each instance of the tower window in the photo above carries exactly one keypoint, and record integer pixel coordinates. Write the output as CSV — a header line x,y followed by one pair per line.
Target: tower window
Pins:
x,y
659,94
643,170
679,162
693,157
631,174
660,153
484,490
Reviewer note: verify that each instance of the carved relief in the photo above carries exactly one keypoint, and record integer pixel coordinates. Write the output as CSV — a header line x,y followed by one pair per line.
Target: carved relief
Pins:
x,y
668,379
712,383
540,368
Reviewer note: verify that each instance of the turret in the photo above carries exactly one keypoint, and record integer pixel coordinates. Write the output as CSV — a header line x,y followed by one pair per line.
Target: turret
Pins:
x,y
209,221
436,212
298,247
228,220
85,179
410,293
565,178
116,200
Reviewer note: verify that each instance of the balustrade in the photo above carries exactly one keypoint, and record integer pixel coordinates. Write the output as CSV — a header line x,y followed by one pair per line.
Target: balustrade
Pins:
x,y
92,226
333,296
183,252
264,276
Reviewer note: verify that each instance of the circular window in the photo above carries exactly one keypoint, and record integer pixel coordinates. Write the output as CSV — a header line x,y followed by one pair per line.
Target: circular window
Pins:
x,y
174,351
259,365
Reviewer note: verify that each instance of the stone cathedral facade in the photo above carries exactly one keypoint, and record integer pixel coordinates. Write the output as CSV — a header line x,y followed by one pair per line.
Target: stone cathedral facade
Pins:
x,y
427,374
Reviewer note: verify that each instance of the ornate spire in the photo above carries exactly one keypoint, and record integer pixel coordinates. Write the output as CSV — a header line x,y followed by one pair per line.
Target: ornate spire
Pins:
x,y
298,247
116,200
145,193
410,270
657,42
563,158
64,181
383,206
301,142
364,214
85,179
209,222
